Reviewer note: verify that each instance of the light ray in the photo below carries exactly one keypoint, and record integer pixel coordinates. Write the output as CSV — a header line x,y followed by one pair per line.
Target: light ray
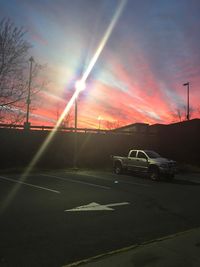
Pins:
x,y
70,103
104,39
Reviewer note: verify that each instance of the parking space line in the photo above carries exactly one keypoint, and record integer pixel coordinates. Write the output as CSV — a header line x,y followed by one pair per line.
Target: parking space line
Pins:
x,y
75,181
133,183
27,184
118,180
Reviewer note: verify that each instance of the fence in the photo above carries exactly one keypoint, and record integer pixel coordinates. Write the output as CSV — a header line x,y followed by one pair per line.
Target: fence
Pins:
x,y
94,146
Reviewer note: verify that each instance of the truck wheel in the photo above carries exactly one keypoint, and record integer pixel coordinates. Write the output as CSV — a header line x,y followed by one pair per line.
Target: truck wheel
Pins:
x,y
118,168
154,173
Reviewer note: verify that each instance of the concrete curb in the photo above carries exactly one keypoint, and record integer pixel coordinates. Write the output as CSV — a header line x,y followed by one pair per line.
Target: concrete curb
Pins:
x,y
125,249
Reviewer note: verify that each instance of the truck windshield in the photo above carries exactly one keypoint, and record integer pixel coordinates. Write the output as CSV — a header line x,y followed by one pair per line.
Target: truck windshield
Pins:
x,y
152,154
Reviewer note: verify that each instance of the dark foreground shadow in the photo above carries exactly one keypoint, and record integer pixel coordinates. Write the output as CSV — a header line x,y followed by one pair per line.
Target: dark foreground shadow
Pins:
x,y
182,182
164,179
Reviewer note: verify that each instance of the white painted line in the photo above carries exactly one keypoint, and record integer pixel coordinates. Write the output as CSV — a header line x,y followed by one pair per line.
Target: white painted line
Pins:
x,y
132,183
117,204
118,181
98,207
31,185
75,181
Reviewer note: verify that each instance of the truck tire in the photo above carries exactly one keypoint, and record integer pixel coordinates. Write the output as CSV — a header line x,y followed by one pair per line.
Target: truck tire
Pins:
x,y
154,173
118,168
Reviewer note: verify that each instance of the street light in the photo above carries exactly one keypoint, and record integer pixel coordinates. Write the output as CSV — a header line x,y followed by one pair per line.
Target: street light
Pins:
x,y
99,119
28,101
79,86
188,104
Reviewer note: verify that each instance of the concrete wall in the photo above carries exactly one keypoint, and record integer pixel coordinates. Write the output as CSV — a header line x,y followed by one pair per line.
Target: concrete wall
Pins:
x,y
18,147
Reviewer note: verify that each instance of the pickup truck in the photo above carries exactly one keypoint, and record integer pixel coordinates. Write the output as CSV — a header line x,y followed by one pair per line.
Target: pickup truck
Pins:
x,y
145,161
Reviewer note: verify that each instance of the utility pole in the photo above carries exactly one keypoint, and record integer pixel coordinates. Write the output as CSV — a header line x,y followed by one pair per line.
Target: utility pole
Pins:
x,y
188,100
28,101
75,134
99,119
79,86
76,114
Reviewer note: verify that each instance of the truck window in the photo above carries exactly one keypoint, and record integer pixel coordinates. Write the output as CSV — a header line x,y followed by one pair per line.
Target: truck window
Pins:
x,y
141,155
133,154
152,154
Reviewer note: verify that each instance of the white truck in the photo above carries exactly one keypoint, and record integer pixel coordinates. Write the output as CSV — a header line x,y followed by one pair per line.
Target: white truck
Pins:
x,y
145,161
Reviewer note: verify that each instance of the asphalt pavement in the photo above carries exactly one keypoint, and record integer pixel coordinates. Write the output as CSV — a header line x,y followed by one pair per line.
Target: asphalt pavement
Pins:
x,y
58,218
179,250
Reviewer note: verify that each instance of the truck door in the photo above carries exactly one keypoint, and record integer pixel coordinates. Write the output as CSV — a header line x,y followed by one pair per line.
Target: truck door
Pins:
x,y
142,162
132,160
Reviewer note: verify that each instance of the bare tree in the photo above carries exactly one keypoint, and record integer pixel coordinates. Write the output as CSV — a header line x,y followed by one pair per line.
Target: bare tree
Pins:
x,y
198,109
14,67
110,125
180,114
68,119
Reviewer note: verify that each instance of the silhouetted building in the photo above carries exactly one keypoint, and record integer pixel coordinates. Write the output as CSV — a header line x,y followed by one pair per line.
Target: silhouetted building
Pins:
x,y
135,127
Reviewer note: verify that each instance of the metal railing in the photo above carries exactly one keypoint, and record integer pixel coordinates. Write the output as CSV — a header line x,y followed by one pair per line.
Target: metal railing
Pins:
x,y
64,129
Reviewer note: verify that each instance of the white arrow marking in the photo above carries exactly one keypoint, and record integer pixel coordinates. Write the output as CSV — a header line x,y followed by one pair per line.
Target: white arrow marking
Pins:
x,y
97,207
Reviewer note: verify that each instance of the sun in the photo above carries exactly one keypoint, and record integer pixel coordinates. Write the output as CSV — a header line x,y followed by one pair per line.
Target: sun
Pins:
x,y
80,85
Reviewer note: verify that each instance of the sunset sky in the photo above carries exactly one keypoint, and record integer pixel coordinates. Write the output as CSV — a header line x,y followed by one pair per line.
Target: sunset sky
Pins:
x,y
153,49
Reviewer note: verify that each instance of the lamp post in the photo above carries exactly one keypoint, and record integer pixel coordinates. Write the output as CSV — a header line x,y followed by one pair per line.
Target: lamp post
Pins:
x,y
79,86
99,119
188,103
76,114
28,101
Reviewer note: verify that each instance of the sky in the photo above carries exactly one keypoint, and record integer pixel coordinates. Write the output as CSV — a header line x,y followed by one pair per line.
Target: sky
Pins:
x,y
152,51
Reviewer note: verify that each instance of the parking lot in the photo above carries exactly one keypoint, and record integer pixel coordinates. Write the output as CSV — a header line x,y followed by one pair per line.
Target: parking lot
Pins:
x,y
53,218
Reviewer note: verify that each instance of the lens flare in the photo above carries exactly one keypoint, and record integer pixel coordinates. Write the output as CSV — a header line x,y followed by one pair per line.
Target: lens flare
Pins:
x,y
79,86
104,39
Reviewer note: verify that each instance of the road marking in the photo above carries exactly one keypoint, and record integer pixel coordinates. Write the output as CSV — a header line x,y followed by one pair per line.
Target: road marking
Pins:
x,y
140,184
31,185
97,207
118,181
75,181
